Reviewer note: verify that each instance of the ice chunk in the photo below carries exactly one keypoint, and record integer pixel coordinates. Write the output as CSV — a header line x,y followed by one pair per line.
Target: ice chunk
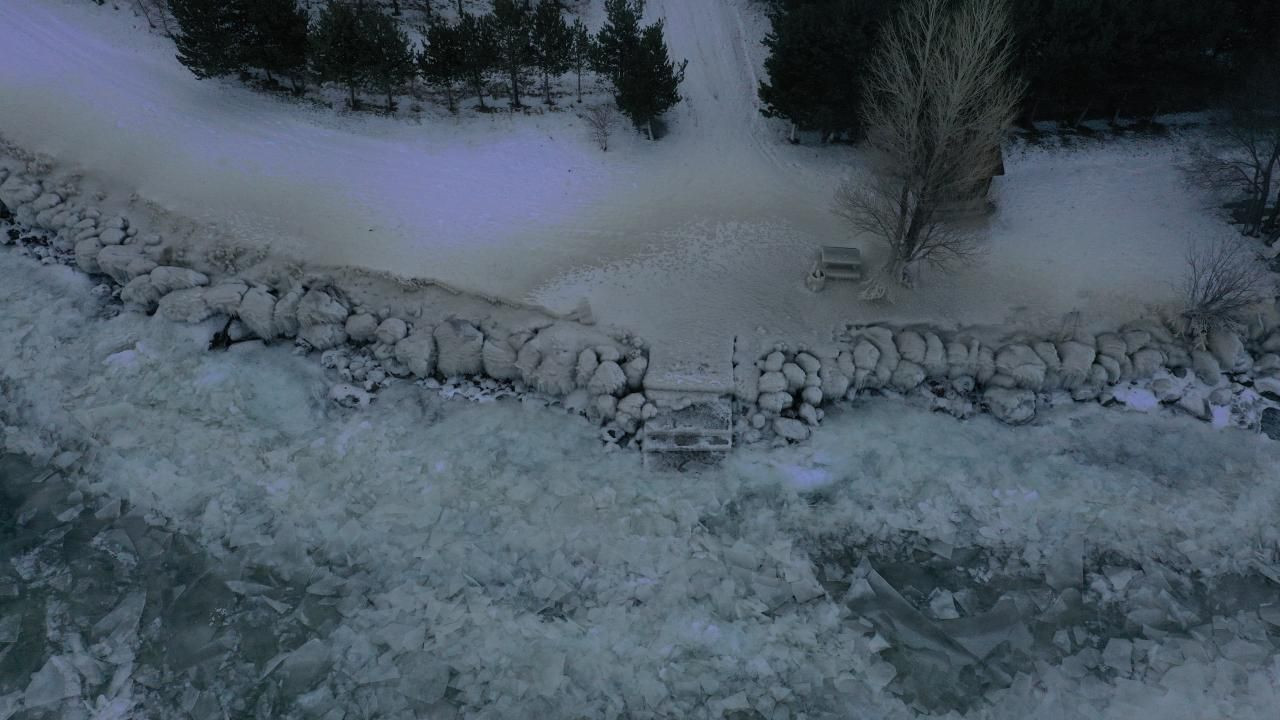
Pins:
x,y
56,681
943,605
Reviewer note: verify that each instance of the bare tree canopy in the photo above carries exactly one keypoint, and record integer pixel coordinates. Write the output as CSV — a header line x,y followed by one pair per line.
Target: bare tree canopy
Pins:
x,y
940,97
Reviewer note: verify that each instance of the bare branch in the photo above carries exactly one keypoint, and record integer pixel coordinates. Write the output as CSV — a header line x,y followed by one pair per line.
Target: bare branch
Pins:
x,y
602,120
1223,279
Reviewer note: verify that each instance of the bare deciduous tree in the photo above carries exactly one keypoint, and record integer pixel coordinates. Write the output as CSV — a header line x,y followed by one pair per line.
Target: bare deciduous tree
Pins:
x,y
1223,279
603,120
1245,160
939,97
156,13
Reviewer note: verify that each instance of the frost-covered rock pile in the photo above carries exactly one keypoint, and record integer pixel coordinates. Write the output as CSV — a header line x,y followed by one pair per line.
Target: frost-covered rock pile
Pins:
x,y
783,393
479,357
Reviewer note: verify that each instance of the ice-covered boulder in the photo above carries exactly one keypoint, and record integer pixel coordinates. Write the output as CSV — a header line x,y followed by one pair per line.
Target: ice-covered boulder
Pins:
x,y
866,358
111,236
635,368
87,255
810,414
1013,407
907,376
775,402
773,361
141,292
984,364
224,298
911,346
459,348
1147,362
1021,363
115,261
808,363
1112,345
392,331
1112,367
1077,360
319,307
167,278
608,379
1229,351
632,404
185,306
362,327
418,352
773,382
588,361
256,311
790,429
1206,367
746,383
834,382
935,357
794,375
606,406
285,315
499,359
323,336
812,395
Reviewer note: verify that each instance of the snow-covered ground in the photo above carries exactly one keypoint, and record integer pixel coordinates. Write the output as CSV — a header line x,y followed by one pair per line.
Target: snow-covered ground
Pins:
x,y
704,234
1097,564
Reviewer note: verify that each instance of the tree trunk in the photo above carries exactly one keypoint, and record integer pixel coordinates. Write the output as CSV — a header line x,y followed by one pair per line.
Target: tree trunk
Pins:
x,y
352,88
515,87
459,8
479,88
546,86
390,104
649,127
579,83
448,94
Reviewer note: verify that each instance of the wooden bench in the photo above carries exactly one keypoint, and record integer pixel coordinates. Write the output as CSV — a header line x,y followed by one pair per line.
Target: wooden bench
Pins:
x,y
840,263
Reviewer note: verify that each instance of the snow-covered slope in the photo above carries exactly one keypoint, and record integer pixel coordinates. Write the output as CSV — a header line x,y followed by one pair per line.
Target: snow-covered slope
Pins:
x,y
706,233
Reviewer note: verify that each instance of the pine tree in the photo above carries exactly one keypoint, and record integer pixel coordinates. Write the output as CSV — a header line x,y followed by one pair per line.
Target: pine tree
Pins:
x,y
512,28
648,84
339,51
389,60
580,53
618,38
552,43
441,60
210,36
276,38
479,56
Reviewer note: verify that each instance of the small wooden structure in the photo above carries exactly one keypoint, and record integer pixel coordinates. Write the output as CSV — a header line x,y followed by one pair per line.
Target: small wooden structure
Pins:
x,y
973,201
835,262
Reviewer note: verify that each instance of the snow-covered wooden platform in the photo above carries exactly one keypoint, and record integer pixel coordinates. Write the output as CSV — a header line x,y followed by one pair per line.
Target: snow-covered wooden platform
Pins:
x,y
693,390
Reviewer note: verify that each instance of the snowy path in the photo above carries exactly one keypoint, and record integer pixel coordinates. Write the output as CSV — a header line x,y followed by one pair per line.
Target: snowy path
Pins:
x,y
499,549
703,235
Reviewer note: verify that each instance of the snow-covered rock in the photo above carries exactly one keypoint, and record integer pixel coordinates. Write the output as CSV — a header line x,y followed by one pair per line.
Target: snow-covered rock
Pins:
x,y
606,406
773,382
323,336
908,375
1014,407
1206,367
984,364
1228,350
418,352
115,261
588,361
775,402
812,395
1147,362
1167,390
746,383
911,346
935,363
808,363
167,278
1023,364
635,368
392,331
224,298
608,379
794,375
185,306
87,255
111,236
285,314
459,348
632,404
141,292
349,396
499,359
362,327
577,401
256,311
319,307
834,382
1135,340
1112,366
1112,345
888,358
809,414
773,361
866,358
790,429
1077,361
